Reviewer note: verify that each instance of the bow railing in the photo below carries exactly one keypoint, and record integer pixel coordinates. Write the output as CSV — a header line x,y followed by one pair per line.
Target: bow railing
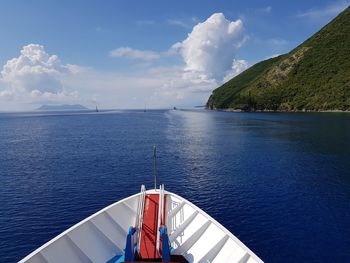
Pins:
x,y
160,213
139,216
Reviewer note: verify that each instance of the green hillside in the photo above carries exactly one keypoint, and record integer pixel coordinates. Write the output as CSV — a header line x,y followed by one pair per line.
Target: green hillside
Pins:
x,y
313,76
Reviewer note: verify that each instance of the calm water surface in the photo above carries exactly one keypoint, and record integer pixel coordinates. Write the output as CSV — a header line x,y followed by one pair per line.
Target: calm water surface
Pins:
x,y
279,182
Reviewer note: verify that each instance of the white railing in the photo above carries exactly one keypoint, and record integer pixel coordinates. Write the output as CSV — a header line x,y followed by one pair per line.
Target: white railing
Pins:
x,y
139,216
160,213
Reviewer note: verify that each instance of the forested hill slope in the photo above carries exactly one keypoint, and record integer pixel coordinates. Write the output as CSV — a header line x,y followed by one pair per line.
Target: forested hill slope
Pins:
x,y
313,76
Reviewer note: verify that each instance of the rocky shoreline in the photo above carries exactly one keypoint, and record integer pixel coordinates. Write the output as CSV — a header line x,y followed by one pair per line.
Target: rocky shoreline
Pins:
x,y
281,111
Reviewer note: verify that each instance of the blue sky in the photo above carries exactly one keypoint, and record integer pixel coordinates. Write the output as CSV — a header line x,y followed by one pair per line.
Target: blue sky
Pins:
x,y
121,54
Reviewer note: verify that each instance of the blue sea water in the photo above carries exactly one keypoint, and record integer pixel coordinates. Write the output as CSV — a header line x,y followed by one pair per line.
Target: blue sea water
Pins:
x,y
279,182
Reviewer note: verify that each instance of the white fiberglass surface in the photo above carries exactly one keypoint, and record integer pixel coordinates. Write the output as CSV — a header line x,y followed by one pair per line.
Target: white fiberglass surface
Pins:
x,y
98,238
200,238
192,233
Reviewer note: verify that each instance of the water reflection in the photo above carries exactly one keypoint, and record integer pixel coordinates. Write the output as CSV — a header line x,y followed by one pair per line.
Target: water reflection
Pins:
x,y
277,181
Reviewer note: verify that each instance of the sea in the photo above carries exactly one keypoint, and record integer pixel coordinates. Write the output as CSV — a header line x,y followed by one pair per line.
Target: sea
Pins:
x,y
280,182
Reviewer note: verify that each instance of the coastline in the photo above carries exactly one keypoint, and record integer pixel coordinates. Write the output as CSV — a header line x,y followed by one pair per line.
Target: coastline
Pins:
x,y
282,111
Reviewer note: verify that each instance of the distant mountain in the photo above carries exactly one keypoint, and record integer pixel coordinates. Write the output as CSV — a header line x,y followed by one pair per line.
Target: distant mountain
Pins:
x,y
65,107
314,76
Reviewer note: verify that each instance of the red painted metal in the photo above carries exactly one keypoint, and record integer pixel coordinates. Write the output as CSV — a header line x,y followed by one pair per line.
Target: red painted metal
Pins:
x,y
148,248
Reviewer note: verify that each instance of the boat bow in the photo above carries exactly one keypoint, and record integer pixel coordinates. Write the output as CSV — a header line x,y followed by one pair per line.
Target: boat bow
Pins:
x,y
187,234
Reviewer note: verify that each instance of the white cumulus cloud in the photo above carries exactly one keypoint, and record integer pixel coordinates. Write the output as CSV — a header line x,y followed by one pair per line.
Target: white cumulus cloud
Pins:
x,y
35,75
34,69
205,59
128,52
210,49
208,54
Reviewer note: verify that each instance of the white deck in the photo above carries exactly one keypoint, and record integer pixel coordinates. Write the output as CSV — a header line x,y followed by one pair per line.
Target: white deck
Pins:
x,y
100,237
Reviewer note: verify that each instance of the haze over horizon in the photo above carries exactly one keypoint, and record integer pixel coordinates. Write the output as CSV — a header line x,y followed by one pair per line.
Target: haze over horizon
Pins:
x,y
158,54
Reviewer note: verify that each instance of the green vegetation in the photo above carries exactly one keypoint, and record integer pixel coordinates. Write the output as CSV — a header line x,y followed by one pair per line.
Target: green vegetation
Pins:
x,y
314,76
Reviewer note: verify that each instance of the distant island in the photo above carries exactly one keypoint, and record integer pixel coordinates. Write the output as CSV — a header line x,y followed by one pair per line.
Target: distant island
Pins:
x,y
315,76
64,107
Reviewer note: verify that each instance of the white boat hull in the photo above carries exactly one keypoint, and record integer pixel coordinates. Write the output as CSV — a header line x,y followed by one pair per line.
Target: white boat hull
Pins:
x,y
99,238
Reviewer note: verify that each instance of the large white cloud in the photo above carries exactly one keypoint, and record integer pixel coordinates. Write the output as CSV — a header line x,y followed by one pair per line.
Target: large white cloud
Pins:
x,y
208,57
209,50
35,75
34,69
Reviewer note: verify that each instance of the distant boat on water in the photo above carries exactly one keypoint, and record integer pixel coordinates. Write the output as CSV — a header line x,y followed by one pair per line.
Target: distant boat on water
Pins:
x,y
96,109
174,108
